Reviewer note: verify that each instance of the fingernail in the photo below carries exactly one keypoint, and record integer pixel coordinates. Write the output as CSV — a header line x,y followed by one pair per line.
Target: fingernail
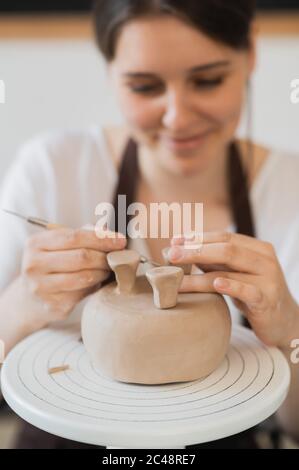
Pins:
x,y
221,283
176,253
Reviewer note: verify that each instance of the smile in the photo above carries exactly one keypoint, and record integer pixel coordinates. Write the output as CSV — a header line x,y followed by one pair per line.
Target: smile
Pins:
x,y
185,143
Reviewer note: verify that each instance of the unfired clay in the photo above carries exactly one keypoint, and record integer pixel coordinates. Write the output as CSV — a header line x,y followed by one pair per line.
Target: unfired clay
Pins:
x,y
131,340
124,263
165,282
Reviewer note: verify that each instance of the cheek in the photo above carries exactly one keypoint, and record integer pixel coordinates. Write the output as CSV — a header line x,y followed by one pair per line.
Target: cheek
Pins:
x,y
144,114
225,106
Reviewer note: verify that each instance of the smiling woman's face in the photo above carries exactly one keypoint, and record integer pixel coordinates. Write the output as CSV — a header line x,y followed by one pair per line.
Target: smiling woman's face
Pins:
x,y
180,92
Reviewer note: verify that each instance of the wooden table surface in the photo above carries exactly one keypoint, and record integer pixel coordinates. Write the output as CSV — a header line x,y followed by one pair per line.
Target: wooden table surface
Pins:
x,y
80,26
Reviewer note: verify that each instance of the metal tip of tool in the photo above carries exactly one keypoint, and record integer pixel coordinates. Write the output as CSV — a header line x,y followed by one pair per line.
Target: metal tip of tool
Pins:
x,y
14,213
9,212
143,259
31,220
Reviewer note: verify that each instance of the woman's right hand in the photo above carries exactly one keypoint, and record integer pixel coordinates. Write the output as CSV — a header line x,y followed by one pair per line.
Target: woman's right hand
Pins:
x,y
61,267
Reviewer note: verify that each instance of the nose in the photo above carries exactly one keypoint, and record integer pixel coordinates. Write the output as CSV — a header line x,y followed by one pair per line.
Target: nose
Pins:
x,y
178,115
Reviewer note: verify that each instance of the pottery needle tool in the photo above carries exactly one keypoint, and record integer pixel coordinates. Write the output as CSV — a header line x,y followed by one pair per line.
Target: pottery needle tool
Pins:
x,y
144,260
35,221
51,226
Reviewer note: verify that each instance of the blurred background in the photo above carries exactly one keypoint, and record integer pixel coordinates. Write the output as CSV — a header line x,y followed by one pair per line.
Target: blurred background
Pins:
x,y
55,78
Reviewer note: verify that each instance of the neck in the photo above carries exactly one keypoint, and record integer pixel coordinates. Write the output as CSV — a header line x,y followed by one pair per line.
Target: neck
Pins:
x,y
206,185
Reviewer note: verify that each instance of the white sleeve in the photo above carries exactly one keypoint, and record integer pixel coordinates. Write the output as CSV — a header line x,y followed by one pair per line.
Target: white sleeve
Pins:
x,y
290,258
27,189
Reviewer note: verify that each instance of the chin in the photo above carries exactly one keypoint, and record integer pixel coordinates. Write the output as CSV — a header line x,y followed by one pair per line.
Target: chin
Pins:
x,y
185,168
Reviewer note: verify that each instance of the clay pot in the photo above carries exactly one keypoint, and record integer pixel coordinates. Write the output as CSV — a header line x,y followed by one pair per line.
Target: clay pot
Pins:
x,y
130,339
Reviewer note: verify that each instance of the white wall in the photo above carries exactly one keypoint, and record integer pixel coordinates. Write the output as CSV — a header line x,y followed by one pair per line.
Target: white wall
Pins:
x,y
52,84
276,118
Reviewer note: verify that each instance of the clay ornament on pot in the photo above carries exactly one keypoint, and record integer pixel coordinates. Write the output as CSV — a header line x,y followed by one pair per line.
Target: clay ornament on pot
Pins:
x,y
165,282
124,263
139,329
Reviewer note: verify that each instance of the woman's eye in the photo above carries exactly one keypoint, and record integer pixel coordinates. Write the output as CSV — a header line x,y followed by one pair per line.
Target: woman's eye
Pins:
x,y
146,89
151,89
208,83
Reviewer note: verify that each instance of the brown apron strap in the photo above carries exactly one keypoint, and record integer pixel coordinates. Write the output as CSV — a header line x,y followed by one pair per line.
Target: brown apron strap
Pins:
x,y
126,185
239,199
127,181
239,193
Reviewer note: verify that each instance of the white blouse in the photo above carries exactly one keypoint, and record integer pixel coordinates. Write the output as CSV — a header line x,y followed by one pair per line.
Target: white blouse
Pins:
x,y
62,176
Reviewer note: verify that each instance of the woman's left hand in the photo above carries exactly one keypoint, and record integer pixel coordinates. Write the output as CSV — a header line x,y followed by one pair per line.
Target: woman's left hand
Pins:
x,y
247,270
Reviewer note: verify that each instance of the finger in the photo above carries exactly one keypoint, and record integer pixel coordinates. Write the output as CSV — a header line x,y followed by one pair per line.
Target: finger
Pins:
x,y
245,241
82,293
207,268
197,283
205,282
69,261
69,282
93,289
69,239
192,239
247,293
224,255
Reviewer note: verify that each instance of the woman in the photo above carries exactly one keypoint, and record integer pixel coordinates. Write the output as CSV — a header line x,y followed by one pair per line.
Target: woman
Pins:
x,y
181,71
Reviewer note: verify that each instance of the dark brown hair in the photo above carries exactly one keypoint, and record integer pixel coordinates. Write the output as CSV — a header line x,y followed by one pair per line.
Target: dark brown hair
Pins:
x,y
227,21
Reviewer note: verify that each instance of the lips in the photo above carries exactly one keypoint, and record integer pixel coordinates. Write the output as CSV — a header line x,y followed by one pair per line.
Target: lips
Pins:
x,y
185,139
185,142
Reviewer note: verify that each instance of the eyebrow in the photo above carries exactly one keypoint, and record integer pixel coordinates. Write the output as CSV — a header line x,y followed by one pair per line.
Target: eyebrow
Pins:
x,y
199,68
